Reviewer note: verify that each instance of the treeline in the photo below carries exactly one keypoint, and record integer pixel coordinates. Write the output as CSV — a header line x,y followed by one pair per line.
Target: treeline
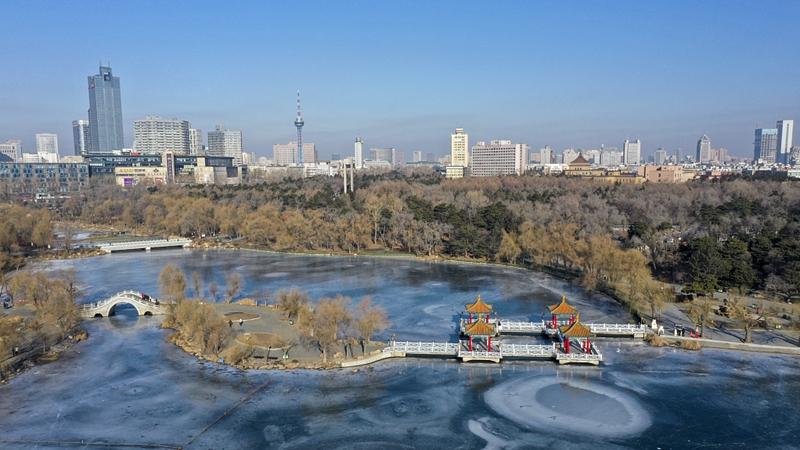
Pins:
x,y
417,211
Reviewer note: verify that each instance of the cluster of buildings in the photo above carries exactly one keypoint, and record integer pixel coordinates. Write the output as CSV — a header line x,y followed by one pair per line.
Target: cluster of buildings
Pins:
x,y
164,150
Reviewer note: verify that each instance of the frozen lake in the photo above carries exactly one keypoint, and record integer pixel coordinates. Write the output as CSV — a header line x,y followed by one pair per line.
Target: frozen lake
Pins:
x,y
127,385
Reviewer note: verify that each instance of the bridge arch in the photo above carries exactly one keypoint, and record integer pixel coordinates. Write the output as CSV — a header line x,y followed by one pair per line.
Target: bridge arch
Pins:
x,y
144,305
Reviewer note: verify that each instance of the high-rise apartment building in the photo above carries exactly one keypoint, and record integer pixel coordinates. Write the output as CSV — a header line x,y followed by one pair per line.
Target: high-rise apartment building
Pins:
x,y
459,148
81,137
500,157
13,149
766,145
156,135
703,150
546,155
47,147
679,156
289,154
632,152
569,155
417,156
225,142
105,112
359,153
785,131
195,141
610,156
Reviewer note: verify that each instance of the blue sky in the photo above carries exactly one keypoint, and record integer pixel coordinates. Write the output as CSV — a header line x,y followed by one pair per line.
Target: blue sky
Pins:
x,y
405,74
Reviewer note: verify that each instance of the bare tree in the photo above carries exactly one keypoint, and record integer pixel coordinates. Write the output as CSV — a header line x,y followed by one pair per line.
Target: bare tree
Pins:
x,y
329,319
197,283
69,235
172,283
213,289
700,313
234,282
292,301
369,319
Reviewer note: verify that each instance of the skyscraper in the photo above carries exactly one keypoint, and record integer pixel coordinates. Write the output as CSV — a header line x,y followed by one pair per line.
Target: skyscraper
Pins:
x,y
156,135
105,112
785,131
459,148
359,153
703,150
225,142
289,154
81,136
660,157
632,152
195,141
546,155
47,147
679,156
766,145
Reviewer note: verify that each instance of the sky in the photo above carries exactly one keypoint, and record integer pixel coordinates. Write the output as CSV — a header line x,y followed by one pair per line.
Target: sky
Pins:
x,y
568,74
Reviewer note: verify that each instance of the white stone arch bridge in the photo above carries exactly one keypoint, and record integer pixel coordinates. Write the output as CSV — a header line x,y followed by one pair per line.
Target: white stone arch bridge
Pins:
x,y
145,305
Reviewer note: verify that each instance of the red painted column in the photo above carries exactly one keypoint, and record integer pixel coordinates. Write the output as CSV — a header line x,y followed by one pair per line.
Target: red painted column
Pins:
x,y
566,345
490,344
470,343
470,317
555,321
487,318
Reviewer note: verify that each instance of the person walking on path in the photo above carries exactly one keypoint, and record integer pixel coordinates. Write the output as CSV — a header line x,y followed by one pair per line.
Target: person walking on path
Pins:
x,y
241,321
230,323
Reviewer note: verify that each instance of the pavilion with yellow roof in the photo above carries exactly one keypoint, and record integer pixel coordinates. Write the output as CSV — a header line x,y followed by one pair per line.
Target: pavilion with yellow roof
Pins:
x,y
479,326
563,311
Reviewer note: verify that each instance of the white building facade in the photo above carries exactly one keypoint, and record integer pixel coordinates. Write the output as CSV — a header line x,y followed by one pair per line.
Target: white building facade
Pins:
x,y
459,148
500,157
289,155
632,152
785,131
359,153
156,135
13,149
195,141
225,142
47,147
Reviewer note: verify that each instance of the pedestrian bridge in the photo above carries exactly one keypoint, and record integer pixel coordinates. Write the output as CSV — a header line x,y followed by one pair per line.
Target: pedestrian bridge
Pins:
x,y
145,305
399,349
144,245
600,329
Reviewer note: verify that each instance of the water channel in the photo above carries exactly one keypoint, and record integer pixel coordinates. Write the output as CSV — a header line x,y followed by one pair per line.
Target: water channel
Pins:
x,y
127,385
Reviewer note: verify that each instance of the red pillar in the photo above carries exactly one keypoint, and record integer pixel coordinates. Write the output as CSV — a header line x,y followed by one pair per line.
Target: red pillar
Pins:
x,y
555,321
487,318
490,343
470,317
566,345
470,343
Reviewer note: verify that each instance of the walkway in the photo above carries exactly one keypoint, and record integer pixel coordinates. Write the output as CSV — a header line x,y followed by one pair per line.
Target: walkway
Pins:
x,y
144,245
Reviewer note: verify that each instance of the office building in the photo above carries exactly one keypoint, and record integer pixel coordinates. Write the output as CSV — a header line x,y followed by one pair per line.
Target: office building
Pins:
x,y
226,143
459,148
703,150
632,152
105,112
195,141
722,155
679,156
785,131
289,154
155,135
47,147
384,154
30,180
610,156
359,153
417,156
430,157
81,137
500,157
766,145
13,149
570,155
660,157
546,155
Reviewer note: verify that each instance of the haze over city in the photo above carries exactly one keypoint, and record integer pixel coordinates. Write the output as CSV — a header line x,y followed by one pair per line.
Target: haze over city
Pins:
x,y
405,75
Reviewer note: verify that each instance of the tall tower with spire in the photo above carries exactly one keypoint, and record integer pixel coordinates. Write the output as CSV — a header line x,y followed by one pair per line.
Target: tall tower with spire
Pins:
x,y
299,124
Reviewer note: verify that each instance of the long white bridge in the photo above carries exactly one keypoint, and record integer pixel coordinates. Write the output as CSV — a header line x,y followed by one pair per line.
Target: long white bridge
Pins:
x,y
600,329
399,349
145,305
146,245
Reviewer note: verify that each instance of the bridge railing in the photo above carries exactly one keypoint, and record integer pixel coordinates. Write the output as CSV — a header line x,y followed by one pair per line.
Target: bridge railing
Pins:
x,y
425,348
579,357
130,296
528,349
620,328
479,354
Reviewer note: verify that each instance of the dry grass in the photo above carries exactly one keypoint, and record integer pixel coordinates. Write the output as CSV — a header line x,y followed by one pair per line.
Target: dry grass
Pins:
x,y
691,345
236,315
656,340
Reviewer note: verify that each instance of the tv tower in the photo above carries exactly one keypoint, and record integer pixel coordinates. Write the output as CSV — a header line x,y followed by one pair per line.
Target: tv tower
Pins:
x,y
299,124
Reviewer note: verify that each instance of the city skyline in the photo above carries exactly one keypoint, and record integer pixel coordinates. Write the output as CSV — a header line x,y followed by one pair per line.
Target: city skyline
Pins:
x,y
551,75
